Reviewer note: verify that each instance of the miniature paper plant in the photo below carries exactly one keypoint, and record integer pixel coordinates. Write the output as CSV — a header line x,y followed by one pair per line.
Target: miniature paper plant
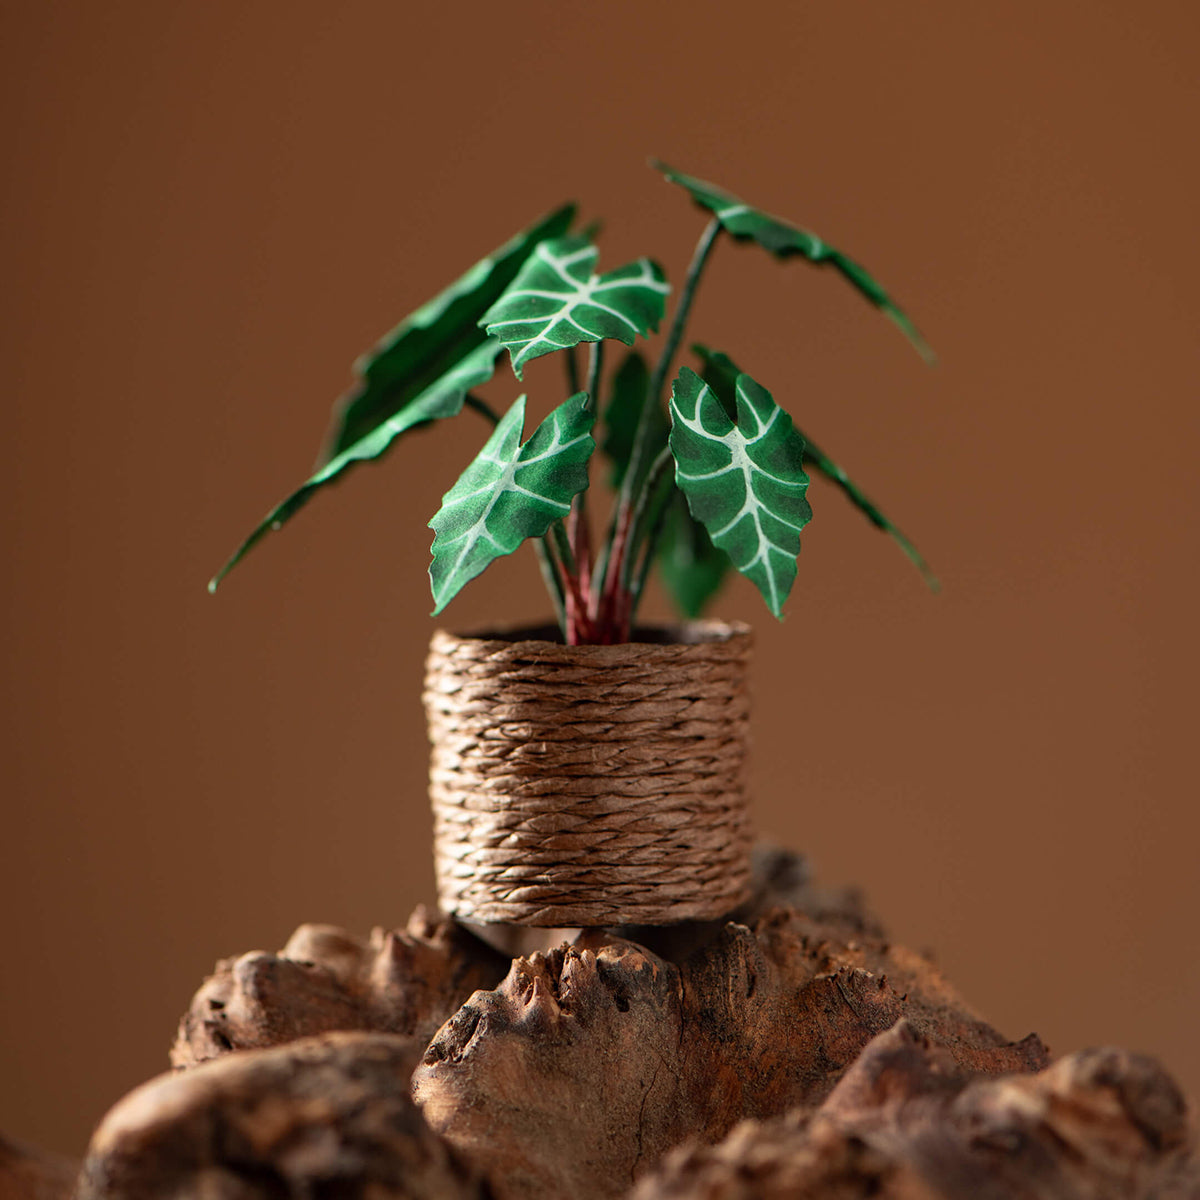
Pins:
x,y
710,473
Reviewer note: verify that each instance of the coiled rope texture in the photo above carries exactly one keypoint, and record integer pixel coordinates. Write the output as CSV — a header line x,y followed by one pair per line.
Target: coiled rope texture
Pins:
x,y
590,785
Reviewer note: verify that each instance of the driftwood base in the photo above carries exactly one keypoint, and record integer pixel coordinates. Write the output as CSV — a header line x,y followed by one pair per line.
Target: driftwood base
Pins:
x,y
791,1051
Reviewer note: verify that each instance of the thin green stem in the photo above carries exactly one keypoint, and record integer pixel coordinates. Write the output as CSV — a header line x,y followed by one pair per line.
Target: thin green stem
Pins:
x,y
600,574
652,539
553,581
674,337
645,505
482,407
578,627
581,541
562,544
657,467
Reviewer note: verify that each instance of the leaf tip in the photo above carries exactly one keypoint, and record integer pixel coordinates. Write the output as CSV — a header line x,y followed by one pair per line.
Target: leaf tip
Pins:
x,y
915,338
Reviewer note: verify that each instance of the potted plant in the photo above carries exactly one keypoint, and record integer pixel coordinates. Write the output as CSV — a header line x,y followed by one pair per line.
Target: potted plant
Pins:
x,y
594,773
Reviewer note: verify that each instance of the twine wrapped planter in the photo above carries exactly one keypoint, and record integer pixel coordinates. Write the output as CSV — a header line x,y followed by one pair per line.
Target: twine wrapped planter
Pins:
x,y
590,785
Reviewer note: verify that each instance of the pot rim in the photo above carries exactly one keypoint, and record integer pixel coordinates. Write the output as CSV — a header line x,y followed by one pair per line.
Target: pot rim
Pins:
x,y
546,638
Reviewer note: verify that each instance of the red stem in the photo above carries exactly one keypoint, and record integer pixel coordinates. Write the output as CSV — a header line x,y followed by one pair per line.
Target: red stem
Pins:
x,y
611,603
579,626
579,629
580,532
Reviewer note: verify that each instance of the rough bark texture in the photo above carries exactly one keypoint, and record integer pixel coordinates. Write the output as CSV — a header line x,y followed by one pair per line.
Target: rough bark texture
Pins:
x,y
761,1019
326,1116
906,1122
407,981
791,1050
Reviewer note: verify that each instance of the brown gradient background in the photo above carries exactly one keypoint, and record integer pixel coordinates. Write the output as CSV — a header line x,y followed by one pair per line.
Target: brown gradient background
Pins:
x,y
211,208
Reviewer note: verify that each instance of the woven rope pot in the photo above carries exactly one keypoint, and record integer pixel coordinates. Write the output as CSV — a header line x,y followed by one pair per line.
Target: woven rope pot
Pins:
x,y
590,785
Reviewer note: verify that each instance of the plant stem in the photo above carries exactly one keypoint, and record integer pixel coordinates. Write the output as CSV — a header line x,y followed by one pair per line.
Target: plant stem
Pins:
x,y
553,581
581,541
482,407
578,528
653,478
695,270
563,545
652,539
615,567
578,627
600,574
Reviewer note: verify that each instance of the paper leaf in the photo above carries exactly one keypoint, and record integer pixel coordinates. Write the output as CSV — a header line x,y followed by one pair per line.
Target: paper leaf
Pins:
x,y
785,240
744,483
721,373
410,364
509,493
420,372
555,302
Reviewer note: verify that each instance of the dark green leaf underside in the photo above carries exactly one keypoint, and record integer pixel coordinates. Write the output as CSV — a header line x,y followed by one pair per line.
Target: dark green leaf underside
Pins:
x,y
420,372
476,368
418,353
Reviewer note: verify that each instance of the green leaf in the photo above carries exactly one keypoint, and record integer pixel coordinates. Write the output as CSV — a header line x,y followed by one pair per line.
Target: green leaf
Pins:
x,y
691,567
786,241
555,302
630,388
475,368
510,492
720,373
413,362
744,483
420,372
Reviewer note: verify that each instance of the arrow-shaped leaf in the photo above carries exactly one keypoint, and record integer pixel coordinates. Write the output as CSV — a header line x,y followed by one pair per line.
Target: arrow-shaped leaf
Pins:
x,y
555,302
785,240
744,483
420,372
509,493
447,401
721,373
